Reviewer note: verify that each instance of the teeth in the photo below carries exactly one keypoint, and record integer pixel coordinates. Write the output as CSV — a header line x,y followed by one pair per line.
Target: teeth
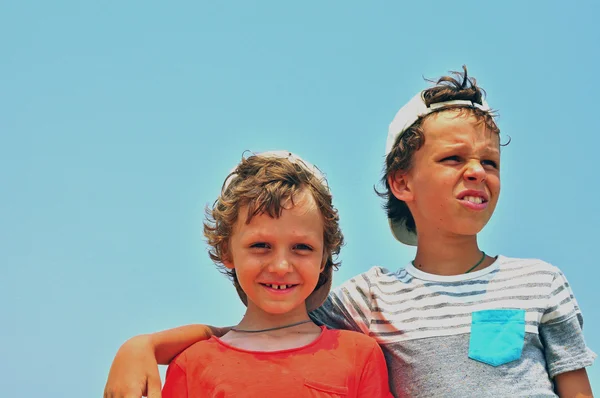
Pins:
x,y
280,287
473,199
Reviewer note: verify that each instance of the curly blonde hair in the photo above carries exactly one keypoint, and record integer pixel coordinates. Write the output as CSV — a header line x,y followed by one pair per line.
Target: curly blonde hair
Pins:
x,y
264,184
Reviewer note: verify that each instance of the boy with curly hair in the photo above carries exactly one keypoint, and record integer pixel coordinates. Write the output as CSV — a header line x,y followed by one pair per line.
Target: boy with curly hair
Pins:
x,y
274,231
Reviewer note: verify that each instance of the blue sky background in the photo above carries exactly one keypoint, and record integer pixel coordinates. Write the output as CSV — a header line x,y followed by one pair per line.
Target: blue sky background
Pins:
x,y
120,119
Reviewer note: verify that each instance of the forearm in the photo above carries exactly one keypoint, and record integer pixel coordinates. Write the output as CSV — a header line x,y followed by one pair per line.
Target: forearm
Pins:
x,y
574,384
169,343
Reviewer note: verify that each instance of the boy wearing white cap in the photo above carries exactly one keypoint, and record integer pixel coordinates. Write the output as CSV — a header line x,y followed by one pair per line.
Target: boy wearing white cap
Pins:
x,y
454,322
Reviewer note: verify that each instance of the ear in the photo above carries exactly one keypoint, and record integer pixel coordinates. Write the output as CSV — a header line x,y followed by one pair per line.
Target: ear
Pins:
x,y
228,264
400,186
226,257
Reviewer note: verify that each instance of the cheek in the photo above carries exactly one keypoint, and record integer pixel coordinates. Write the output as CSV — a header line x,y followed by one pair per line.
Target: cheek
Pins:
x,y
311,268
428,187
494,184
245,267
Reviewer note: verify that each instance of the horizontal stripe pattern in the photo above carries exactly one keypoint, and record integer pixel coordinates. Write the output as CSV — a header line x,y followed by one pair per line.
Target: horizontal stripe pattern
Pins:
x,y
408,304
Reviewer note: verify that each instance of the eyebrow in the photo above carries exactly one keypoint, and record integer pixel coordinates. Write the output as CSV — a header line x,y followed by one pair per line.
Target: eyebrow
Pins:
x,y
457,146
261,235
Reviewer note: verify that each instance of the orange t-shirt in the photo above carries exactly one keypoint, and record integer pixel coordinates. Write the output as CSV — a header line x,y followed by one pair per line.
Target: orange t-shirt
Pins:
x,y
338,363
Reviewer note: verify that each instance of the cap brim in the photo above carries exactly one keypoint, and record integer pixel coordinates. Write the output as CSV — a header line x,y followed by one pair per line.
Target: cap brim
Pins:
x,y
314,301
402,234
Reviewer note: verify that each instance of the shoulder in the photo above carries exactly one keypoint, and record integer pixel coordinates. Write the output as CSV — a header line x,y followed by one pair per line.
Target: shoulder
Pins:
x,y
374,276
378,272
353,340
357,290
357,348
195,352
528,267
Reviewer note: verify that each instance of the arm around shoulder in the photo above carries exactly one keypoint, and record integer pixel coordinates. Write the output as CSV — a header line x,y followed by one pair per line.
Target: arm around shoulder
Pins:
x,y
134,371
169,343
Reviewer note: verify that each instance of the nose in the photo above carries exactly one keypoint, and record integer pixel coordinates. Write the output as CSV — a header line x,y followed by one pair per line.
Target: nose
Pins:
x,y
280,265
475,171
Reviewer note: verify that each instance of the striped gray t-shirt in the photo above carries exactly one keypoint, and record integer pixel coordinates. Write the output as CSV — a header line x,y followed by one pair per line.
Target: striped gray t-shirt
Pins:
x,y
504,331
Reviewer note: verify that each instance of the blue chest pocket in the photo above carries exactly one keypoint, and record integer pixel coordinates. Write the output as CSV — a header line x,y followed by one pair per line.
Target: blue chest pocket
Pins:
x,y
497,336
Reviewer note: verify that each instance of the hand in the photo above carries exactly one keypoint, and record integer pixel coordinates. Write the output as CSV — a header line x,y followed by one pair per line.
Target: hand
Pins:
x,y
134,371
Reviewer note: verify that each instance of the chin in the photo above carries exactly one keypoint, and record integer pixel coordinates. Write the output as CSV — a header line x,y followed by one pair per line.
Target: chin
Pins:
x,y
470,229
279,309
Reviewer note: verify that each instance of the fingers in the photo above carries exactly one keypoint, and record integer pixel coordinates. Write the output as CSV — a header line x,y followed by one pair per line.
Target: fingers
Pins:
x,y
154,385
129,394
154,394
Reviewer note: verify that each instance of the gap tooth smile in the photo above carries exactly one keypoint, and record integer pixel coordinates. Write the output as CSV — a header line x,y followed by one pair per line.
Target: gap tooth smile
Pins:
x,y
278,287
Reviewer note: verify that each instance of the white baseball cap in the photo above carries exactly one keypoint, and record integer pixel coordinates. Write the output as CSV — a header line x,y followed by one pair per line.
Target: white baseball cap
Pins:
x,y
406,117
317,297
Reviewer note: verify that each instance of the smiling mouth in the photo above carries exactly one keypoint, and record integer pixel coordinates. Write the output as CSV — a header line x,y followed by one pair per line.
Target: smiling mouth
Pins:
x,y
278,287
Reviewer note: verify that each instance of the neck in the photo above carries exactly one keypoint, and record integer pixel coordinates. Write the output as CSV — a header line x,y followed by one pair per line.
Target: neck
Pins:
x,y
448,255
272,340
255,318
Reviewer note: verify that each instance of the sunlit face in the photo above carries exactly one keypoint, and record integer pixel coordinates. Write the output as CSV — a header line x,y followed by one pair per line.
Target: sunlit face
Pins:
x,y
454,183
278,260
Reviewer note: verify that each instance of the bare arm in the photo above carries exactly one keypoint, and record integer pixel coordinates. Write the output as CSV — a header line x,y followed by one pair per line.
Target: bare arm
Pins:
x,y
574,384
169,343
134,371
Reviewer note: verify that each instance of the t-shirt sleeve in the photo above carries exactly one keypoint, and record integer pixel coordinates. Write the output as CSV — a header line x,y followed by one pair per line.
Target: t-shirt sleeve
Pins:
x,y
561,330
374,377
175,382
348,306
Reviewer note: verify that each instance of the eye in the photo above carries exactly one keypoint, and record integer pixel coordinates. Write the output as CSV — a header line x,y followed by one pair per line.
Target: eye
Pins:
x,y
451,159
259,245
489,162
303,247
